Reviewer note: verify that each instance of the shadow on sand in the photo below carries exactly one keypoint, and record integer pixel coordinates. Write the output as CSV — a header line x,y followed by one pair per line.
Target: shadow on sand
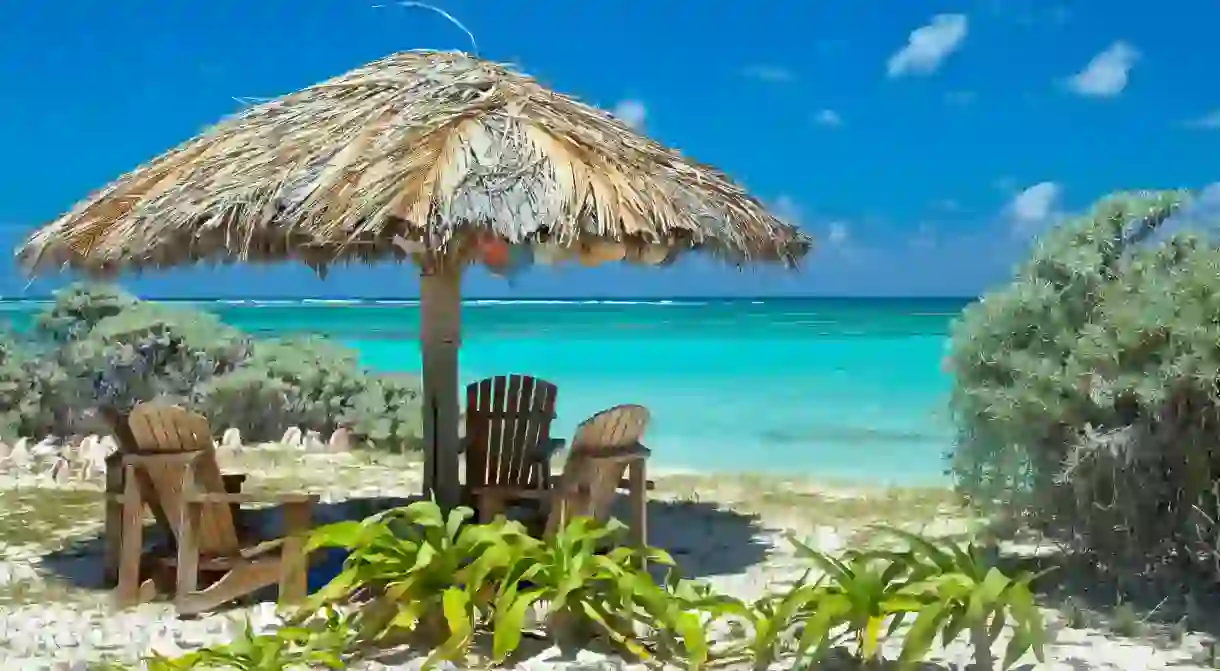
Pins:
x,y
705,540
1078,585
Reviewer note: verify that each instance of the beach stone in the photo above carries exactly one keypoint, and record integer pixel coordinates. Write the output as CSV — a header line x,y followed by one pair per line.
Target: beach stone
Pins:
x,y
231,440
292,437
340,441
47,447
93,455
312,442
61,470
20,454
109,446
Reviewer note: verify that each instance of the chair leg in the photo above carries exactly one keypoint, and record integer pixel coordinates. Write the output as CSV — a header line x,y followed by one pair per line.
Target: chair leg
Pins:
x,y
638,477
489,505
130,545
294,565
188,554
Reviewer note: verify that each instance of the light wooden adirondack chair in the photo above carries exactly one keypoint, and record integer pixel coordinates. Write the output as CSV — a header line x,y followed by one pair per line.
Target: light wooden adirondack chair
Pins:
x,y
508,443
605,446
176,468
112,533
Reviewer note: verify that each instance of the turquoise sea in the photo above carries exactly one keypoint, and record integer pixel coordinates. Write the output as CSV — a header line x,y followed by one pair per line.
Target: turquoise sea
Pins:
x,y
843,389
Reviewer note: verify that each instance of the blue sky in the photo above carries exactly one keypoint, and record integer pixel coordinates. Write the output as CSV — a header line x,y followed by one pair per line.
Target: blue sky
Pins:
x,y
921,143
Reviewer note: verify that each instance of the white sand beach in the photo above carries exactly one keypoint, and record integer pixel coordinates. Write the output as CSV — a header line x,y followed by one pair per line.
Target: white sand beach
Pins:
x,y
726,529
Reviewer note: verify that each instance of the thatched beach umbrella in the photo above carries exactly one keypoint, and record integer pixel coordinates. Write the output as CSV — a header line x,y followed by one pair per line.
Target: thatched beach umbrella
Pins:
x,y
436,157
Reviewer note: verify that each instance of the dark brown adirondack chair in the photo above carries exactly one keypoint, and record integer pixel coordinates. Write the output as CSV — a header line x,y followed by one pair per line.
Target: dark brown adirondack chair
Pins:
x,y
175,469
508,443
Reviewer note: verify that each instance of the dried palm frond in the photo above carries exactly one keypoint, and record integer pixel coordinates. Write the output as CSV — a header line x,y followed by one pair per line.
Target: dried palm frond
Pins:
x,y
429,148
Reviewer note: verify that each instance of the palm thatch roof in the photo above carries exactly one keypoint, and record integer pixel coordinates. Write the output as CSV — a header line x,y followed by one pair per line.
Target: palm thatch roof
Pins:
x,y
412,155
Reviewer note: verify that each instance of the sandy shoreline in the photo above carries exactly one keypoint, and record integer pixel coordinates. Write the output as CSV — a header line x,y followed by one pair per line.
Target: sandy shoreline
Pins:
x,y
727,529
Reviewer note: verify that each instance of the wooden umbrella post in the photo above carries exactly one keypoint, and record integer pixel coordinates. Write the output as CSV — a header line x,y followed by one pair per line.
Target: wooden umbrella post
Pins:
x,y
440,305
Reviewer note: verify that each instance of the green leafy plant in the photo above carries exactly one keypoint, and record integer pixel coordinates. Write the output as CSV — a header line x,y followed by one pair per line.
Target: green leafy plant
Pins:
x,y
283,649
765,628
860,592
413,570
965,591
680,615
588,592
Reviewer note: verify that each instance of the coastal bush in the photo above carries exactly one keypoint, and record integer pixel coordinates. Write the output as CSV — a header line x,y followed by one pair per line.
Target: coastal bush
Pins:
x,y
149,351
32,391
79,307
107,350
315,384
1088,391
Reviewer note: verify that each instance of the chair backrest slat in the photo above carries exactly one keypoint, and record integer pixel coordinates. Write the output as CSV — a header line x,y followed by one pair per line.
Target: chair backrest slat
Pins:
x,y
589,487
170,431
507,418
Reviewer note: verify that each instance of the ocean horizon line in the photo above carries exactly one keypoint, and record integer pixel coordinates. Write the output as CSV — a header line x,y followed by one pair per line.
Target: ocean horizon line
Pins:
x,y
627,300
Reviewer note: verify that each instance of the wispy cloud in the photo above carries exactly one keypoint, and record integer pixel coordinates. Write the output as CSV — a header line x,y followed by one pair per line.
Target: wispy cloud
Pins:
x,y
1209,121
772,74
837,233
828,118
788,210
631,112
1107,73
928,46
1034,207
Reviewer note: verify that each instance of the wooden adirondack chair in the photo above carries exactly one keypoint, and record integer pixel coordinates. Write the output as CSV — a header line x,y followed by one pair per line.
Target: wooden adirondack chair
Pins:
x,y
508,443
176,468
604,447
112,532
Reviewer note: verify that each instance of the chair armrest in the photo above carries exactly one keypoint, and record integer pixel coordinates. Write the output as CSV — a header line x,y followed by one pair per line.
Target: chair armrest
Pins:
x,y
232,497
625,453
502,492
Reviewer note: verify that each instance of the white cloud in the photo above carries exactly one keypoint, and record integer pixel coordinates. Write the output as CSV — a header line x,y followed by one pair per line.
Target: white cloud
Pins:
x,y
1106,74
772,74
828,117
837,233
631,112
1035,206
1209,121
787,210
928,46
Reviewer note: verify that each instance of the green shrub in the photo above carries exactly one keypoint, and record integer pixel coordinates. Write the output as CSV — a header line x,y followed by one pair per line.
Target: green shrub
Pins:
x,y
110,351
315,384
1087,390
33,390
148,352
79,307
387,413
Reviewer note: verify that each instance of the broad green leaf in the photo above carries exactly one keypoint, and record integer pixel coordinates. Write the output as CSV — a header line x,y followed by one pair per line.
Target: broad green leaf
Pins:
x,y
918,639
509,620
